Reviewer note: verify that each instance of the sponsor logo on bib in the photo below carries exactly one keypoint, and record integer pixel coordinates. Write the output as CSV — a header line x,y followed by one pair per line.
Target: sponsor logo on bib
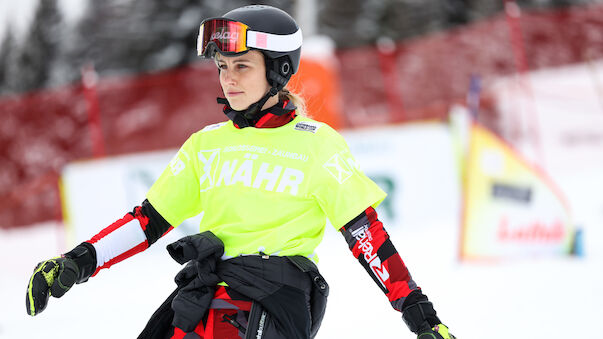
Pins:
x,y
218,169
307,126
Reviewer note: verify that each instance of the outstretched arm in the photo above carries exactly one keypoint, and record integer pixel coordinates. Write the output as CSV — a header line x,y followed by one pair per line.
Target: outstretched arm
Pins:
x,y
371,245
132,234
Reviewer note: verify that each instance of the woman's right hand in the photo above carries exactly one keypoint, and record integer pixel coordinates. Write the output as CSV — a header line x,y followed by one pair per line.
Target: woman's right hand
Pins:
x,y
51,277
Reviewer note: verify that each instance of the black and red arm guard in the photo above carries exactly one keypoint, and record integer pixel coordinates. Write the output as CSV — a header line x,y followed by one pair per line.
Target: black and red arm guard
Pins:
x,y
371,245
130,235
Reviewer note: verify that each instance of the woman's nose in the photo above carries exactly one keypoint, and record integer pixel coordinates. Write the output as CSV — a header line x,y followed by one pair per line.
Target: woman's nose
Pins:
x,y
229,76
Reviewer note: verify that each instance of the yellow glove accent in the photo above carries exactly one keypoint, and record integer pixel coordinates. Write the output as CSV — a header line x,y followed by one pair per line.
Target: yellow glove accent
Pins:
x,y
49,277
439,331
442,330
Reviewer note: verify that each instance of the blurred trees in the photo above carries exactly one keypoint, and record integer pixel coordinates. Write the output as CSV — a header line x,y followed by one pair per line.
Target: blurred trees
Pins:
x,y
135,36
360,22
116,36
36,54
144,36
7,49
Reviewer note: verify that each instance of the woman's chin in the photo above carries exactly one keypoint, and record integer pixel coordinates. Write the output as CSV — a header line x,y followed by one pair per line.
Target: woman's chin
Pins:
x,y
239,108
237,105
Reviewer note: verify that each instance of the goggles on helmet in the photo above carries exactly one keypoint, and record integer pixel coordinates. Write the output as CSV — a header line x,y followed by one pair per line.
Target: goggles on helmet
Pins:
x,y
231,37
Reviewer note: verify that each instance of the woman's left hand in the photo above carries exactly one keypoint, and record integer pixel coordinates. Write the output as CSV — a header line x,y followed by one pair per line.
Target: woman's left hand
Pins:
x,y
439,331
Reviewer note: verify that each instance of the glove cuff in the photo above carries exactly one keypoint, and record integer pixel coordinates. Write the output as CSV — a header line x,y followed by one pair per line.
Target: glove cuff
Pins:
x,y
84,256
420,316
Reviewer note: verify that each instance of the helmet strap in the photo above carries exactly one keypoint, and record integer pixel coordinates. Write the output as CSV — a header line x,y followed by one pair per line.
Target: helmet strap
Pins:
x,y
252,111
248,117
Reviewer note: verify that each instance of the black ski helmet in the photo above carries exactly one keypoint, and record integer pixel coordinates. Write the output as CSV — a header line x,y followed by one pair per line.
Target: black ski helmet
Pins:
x,y
268,29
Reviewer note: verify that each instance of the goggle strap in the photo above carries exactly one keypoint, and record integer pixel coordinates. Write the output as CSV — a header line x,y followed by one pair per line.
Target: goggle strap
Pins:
x,y
274,42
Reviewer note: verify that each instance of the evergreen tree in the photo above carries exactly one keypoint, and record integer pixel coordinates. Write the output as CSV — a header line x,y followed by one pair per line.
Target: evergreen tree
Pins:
x,y
130,37
39,49
7,52
94,39
359,22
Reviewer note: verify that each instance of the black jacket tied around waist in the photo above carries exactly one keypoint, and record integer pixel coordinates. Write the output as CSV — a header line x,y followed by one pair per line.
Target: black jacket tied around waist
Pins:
x,y
290,289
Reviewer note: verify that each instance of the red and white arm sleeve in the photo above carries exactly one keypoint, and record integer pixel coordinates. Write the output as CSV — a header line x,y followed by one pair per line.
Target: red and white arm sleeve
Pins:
x,y
370,244
132,234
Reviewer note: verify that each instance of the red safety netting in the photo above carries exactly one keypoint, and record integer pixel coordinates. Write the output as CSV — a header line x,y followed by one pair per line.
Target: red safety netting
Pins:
x,y
43,131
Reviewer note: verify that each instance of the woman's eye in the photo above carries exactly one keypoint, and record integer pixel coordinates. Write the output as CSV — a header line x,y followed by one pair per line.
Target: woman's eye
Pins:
x,y
241,66
222,66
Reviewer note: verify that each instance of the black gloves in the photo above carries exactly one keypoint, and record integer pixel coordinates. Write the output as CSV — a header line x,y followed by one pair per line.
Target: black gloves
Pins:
x,y
51,277
56,276
421,318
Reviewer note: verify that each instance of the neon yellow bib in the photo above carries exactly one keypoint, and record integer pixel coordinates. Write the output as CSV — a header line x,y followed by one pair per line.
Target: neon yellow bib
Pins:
x,y
265,190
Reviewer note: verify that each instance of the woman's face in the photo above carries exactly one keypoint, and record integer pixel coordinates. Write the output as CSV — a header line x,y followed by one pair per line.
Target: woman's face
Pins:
x,y
243,79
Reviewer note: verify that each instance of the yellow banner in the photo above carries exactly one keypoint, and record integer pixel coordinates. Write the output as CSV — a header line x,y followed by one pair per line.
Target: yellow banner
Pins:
x,y
511,208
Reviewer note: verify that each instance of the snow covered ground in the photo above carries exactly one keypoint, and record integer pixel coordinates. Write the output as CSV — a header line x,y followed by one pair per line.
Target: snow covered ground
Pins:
x,y
535,298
